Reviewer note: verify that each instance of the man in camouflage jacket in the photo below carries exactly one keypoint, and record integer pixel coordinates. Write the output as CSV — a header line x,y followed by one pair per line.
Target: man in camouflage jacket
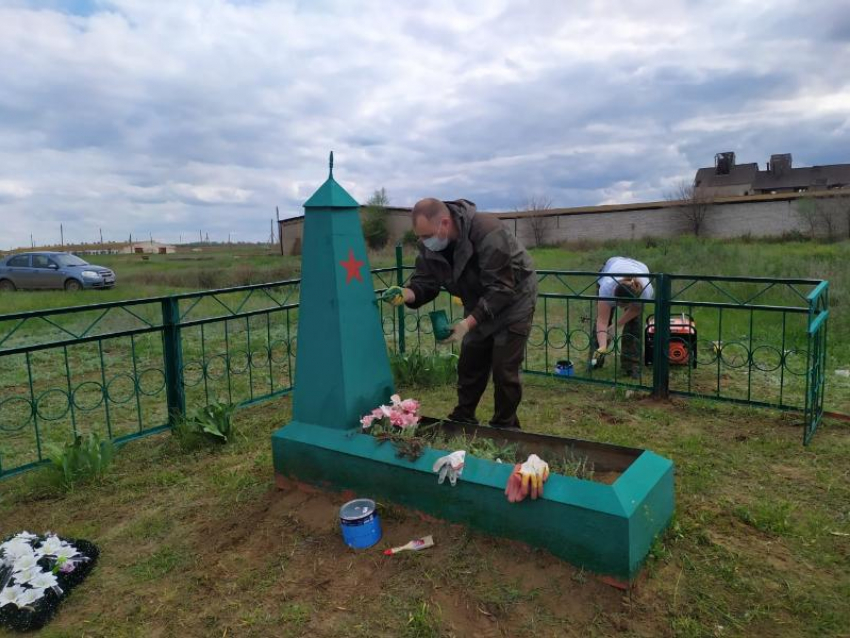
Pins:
x,y
474,257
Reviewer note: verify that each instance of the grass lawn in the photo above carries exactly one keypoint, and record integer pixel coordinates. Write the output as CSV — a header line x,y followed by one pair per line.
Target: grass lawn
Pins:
x,y
203,544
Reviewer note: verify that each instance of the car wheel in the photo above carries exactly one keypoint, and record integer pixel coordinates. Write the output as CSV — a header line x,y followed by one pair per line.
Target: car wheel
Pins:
x,y
7,286
72,285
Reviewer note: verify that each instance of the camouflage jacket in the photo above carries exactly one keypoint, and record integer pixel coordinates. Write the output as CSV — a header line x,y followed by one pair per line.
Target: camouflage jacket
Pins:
x,y
489,270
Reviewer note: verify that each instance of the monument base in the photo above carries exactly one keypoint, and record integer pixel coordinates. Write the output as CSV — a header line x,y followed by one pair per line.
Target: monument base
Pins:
x,y
605,528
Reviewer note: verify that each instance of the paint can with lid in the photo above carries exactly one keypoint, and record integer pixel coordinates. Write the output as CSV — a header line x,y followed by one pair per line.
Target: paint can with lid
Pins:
x,y
360,523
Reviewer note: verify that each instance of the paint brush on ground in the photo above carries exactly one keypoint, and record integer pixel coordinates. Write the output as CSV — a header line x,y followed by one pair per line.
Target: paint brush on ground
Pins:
x,y
419,543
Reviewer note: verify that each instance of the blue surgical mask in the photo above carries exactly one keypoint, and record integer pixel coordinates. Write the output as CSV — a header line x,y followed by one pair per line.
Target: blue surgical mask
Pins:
x,y
436,243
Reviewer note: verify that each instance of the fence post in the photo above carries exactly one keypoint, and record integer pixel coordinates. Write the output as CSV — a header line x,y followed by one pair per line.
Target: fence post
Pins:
x,y
661,343
399,274
172,350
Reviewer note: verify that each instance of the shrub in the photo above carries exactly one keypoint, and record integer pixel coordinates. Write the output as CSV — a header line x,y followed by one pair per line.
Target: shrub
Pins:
x,y
409,238
425,371
80,460
210,424
376,232
375,223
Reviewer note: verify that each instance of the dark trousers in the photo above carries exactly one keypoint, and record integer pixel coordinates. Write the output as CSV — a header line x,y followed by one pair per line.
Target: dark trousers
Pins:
x,y
502,355
630,344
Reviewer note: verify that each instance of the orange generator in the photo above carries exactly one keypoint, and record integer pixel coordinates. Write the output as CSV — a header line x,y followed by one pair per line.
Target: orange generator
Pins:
x,y
683,340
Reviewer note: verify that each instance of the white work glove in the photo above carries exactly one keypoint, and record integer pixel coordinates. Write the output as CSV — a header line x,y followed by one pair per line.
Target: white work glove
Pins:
x,y
459,331
450,465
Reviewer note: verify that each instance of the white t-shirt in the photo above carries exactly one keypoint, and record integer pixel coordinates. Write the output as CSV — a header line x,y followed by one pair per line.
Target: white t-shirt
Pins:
x,y
624,266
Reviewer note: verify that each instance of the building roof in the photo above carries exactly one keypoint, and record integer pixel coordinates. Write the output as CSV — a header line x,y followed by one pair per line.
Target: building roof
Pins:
x,y
740,174
820,177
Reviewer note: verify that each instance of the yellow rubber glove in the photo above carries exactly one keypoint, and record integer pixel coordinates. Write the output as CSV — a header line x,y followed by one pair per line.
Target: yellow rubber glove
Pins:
x,y
527,478
394,295
457,301
534,473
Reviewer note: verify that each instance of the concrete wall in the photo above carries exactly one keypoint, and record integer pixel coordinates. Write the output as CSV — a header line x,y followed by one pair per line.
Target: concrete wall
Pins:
x,y
755,216
758,216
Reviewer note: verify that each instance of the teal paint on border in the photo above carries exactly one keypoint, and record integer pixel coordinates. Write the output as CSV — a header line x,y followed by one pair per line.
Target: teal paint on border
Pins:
x,y
605,528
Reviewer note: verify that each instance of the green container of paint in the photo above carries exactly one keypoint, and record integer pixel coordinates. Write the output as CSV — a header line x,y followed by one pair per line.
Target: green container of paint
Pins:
x,y
440,322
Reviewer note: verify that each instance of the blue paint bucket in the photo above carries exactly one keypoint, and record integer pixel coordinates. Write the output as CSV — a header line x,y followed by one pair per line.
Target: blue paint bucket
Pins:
x,y
360,524
564,368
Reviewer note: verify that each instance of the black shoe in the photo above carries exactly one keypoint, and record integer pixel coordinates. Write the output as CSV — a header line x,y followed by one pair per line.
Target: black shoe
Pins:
x,y
510,428
462,419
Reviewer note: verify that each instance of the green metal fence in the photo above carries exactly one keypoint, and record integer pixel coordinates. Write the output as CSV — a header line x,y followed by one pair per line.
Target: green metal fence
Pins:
x,y
128,369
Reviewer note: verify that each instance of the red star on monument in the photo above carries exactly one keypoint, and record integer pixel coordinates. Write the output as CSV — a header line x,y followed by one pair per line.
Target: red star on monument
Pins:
x,y
352,267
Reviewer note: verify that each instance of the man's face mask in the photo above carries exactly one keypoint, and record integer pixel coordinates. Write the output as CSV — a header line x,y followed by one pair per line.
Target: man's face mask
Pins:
x,y
440,239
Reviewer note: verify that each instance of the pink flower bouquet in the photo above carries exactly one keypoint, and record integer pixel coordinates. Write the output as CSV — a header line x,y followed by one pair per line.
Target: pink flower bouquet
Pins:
x,y
400,417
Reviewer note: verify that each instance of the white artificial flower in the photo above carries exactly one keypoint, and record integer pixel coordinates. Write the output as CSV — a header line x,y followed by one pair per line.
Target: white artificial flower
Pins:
x,y
14,549
24,561
51,545
10,594
67,551
26,535
30,596
26,575
44,580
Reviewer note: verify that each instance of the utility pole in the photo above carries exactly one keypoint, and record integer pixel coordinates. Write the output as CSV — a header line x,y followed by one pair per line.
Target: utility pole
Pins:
x,y
101,236
32,243
62,235
279,234
200,238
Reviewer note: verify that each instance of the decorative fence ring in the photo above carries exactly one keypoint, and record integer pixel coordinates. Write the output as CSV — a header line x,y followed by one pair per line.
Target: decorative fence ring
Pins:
x,y
734,355
189,380
388,325
209,369
280,345
80,405
579,339
113,396
556,330
765,364
231,358
259,358
707,352
636,341
412,323
28,413
150,374
292,346
53,417
791,357
536,344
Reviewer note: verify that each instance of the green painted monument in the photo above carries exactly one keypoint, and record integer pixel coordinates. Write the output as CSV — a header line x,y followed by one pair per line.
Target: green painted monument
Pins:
x,y
342,372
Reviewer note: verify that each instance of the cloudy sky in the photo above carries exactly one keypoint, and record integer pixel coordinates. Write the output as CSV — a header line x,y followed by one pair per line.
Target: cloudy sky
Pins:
x,y
170,117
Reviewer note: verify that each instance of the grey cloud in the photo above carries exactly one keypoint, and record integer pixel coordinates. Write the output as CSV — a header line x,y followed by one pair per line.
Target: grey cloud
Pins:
x,y
171,118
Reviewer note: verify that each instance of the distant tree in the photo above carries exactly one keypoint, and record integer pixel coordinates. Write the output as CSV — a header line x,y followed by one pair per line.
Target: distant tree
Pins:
x,y
694,204
541,224
375,223
823,216
807,211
